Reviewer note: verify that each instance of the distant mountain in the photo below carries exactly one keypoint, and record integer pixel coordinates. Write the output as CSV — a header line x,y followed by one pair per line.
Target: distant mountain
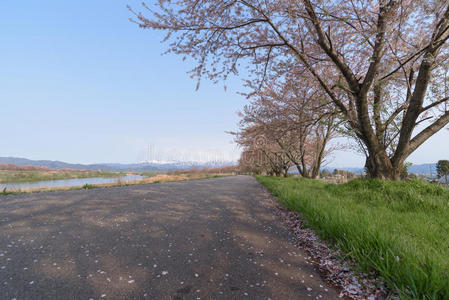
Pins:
x,y
53,164
165,166
423,169
348,169
152,166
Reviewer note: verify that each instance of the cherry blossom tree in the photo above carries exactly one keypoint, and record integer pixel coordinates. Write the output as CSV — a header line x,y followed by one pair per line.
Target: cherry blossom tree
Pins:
x,y
261,155
383,64
297,119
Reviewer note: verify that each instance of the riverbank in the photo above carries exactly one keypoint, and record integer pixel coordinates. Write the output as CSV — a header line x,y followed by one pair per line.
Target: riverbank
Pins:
x,y
399,230
13,176
158,178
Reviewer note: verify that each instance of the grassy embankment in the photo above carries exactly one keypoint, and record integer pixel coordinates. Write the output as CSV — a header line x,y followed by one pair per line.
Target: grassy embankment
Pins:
x,y
7,176
399,229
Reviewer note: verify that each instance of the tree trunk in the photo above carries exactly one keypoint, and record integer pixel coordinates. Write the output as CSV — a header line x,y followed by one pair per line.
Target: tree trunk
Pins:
x,y
381,167
315,172
299,168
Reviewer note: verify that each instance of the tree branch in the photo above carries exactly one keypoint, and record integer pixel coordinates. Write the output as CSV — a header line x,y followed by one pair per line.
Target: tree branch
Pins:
x,y
426,133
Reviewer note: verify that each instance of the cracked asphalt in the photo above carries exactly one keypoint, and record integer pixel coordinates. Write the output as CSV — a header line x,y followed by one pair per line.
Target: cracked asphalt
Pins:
x,y
205,239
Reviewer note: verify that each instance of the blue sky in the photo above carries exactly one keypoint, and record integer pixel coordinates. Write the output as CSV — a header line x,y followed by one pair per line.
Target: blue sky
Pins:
x,y
80,83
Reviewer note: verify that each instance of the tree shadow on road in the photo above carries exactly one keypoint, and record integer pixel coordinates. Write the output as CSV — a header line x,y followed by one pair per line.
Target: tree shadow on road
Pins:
x,y
212,239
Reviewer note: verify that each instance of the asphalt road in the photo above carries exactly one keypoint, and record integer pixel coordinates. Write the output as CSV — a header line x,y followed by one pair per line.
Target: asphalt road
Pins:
x,y
205,239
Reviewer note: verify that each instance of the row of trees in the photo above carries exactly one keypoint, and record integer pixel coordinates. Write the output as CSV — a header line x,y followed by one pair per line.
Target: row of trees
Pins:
x,y
282,127
378,67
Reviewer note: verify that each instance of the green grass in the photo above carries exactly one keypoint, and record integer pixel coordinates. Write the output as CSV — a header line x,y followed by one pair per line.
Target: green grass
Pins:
x,y
5,192
398,229
7,176
88,186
